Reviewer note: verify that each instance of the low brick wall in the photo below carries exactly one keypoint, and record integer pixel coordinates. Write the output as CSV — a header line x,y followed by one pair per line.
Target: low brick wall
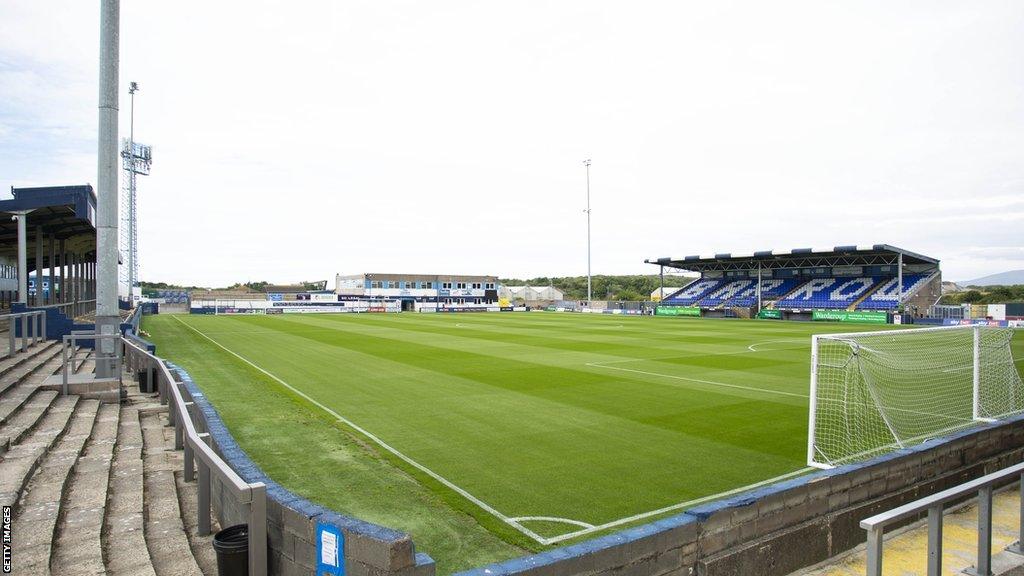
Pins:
x,y
775,530
370,550
770,531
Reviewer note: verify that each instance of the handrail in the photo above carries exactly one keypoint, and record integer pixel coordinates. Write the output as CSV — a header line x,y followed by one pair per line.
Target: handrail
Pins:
x,y
875,525
34,330
198,451
69,342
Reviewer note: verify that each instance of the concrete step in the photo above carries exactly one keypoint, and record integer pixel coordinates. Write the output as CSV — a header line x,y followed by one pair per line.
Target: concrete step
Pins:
x,y
202,546
29,414
169,546
77,546
125,544
29,378
36,520
23,457
9,363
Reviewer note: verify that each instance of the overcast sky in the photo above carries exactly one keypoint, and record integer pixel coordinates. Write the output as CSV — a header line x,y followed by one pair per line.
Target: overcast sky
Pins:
x,y
295,140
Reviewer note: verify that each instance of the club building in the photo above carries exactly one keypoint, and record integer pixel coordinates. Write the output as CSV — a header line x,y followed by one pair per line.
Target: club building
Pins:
x,y
422,292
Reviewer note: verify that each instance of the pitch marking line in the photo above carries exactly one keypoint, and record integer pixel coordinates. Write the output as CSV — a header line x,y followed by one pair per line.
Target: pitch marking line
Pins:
x,y
699,381
465,494
681,505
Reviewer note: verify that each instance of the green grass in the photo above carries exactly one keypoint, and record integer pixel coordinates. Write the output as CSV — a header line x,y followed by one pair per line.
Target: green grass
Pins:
x,y
587,418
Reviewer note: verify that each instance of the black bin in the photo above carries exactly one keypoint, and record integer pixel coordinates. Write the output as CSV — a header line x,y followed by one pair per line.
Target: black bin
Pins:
x,y
232,547
145,386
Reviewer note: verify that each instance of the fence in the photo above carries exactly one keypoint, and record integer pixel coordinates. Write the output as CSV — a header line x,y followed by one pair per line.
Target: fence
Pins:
x,y
199,454
934,504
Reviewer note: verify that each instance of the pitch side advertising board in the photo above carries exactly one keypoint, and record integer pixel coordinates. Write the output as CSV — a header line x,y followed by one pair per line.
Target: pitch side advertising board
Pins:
x,y
677,311
848,316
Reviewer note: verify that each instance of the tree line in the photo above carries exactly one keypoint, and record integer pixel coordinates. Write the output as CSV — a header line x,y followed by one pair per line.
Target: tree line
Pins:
x,y
985,295
603,287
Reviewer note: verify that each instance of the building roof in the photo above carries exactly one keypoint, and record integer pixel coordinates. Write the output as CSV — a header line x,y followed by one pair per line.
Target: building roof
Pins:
x,y
877,254
66,212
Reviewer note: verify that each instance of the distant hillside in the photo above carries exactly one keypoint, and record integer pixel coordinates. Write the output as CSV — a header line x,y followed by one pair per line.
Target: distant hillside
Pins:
x,y
1009,278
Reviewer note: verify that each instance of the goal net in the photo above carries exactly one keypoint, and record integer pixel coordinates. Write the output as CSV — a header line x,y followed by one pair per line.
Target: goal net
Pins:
x,y
874,392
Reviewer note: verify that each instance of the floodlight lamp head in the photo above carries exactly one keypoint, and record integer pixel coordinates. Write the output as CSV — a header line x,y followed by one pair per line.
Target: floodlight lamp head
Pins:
x,y
133,87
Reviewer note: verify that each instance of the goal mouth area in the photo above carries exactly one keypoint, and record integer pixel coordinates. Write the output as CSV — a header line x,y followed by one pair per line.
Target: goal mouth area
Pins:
x,y
879,391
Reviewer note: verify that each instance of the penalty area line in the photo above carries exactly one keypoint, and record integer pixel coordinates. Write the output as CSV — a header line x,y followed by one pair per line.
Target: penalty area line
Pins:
x,y
448,483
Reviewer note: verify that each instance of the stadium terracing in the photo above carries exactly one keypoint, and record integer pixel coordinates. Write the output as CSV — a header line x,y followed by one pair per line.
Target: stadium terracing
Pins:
x,y
880,277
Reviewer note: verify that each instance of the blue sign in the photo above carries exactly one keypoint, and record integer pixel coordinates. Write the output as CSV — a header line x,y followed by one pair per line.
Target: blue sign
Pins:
x,y
330,550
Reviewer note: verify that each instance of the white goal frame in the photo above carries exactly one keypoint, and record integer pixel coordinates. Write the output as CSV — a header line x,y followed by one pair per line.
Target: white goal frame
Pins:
x,y
812,460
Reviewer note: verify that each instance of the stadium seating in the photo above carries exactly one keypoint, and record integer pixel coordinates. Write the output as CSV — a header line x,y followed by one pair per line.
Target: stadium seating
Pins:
x,y
826,293
770,290
726,291
694,292
887,295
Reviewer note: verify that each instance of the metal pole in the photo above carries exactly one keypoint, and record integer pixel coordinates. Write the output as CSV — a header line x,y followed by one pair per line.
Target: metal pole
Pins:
x,y
587,164
107,315
38,300
759,287
976,377
812,412
874,552
899,281
984,565
661,289
51,296
935,540
22,258
63,275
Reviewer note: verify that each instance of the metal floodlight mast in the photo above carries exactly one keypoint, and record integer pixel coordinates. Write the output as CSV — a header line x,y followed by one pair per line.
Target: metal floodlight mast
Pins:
x,y
587,164
136,161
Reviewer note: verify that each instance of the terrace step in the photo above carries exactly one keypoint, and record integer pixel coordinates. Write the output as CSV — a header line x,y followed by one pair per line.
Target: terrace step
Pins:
x,y
36,520
9,363
169,546
18,386
125,547
77,547
29,413
31,445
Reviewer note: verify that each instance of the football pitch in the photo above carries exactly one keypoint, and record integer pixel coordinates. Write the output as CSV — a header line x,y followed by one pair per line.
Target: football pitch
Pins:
x,y
527,429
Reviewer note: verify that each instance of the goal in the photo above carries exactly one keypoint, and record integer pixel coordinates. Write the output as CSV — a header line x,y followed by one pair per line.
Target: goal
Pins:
x,y
874,392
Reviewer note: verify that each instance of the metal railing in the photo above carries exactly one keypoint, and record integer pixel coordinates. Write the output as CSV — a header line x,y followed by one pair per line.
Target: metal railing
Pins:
x,y
71,353
33,329
199,454
934,504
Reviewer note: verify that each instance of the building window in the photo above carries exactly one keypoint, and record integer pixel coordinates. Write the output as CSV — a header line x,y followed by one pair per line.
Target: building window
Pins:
x,y
490,285
447,285
461,285
376,284
476,286
428,284
476,301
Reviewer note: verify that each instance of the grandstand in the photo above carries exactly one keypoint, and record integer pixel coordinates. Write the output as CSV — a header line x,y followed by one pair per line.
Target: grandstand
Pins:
x,y
878,278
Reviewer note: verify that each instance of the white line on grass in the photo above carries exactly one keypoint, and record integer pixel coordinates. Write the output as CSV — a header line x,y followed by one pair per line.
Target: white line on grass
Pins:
x,y
483,505
681,505
753,347
552,519
699,381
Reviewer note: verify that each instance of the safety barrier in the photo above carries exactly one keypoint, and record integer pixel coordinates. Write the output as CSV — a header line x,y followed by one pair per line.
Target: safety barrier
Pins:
x,y
199,454
73,355
934,504
33,329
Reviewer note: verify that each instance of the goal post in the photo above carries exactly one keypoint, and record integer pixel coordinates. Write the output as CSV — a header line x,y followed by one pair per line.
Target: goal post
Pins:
x,y
874,392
